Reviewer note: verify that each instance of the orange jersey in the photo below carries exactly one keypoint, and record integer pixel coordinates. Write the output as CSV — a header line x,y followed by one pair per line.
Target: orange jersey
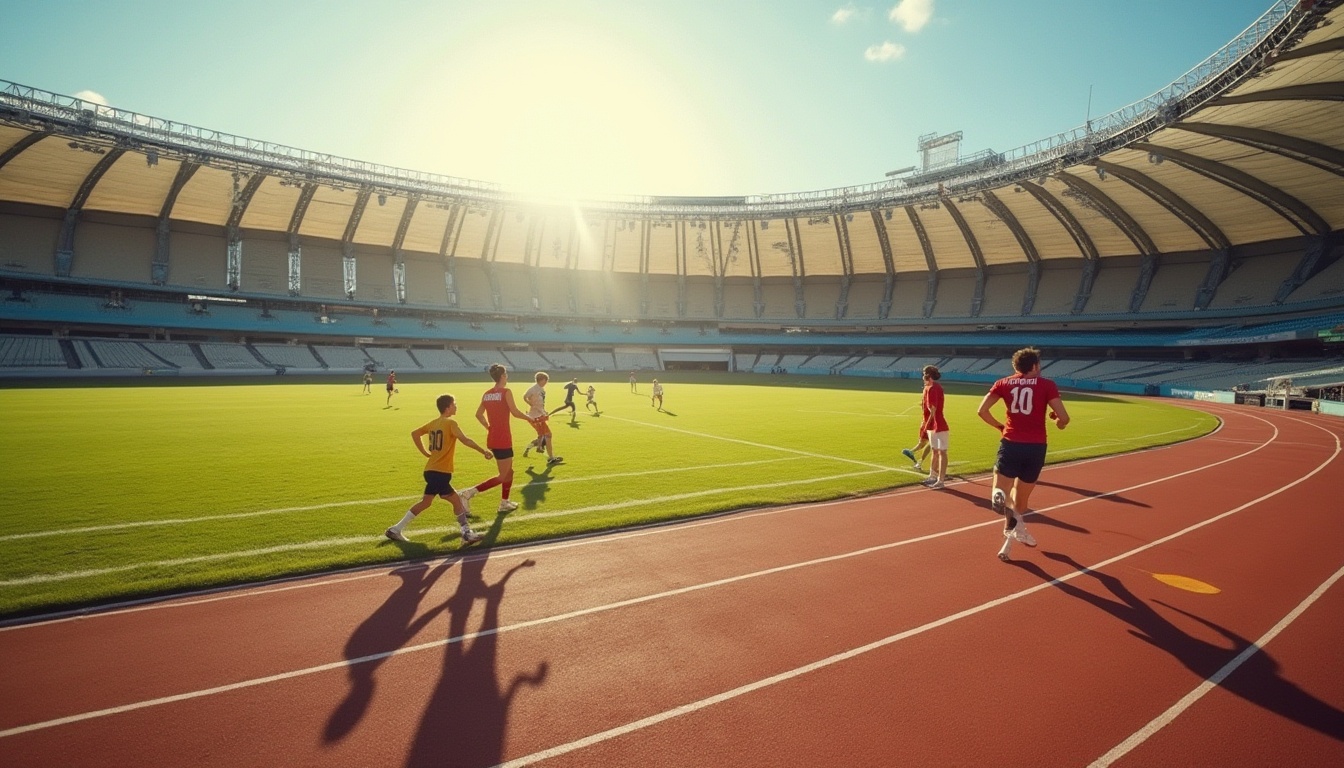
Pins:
x,y
441,442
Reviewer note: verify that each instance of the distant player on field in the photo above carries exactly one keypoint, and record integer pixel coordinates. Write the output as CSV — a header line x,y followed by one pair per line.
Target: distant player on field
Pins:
x,y
391,386
496,408
368,382
535,397
571,389
657,399
633,388
444,434
1022,449
592,399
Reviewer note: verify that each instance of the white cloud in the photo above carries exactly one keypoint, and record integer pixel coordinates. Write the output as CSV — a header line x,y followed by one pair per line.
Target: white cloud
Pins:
x,y
912,15
93,96
844,14
887,51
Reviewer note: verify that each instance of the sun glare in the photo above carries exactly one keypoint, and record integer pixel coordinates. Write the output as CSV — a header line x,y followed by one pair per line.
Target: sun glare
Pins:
x,y
564,114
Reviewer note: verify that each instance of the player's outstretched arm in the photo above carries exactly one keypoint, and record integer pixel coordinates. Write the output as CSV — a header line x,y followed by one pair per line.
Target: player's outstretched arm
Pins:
x,y
467,441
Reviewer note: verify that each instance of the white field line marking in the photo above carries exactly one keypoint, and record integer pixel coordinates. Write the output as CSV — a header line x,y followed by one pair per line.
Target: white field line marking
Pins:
x,y
357,502
696,588
44,578
752,444
156,603
436,530
854,652
1187,701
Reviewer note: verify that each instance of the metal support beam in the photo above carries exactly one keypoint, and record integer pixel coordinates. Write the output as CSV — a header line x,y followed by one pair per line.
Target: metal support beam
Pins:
x,y
1320,253
846,265
931,291
796,262
1310,91
1218,269
65,246
1085,284
19,146
398,256
1146,272
1177,205
1143,244
1294,211
888,262
1033,281
1321,156
158,269
978,298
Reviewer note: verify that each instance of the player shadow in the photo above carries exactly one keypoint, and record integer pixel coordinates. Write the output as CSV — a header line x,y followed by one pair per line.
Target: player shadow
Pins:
x,y
1101,495
1040,518
574,424
467,717
388,628
534,490
666,412
1258,680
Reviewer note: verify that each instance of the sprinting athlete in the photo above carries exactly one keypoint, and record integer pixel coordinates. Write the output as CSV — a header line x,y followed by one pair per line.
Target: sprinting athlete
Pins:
x,y
592,399
535,397
496,408
571,389
1028,396
444,434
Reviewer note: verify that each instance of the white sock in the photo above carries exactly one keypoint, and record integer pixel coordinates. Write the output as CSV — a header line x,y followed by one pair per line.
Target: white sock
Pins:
x,y
405,521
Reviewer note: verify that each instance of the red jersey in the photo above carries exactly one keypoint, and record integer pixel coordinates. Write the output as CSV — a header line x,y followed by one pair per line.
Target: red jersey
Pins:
x,y
497,413
1027,399
933,401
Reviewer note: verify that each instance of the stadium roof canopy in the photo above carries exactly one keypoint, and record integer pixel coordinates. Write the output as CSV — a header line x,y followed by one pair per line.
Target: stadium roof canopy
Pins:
x,y
1248,147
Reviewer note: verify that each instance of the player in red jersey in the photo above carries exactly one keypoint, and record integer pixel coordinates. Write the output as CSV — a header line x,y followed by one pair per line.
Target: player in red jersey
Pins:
x,y
935,426
1022,449
496,407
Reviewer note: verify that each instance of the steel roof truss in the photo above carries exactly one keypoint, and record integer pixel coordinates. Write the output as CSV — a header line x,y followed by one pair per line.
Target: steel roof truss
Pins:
x,y
1177,205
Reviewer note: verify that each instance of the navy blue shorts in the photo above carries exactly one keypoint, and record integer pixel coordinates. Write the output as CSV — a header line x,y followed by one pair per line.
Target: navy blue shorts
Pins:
x,y
438,483
1022,461
502,453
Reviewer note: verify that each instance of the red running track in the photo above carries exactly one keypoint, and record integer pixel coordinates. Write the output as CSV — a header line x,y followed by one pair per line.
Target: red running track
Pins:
x,y
879,631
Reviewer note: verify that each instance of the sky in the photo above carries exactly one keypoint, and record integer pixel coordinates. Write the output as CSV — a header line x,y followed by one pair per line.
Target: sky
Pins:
x,y
594,98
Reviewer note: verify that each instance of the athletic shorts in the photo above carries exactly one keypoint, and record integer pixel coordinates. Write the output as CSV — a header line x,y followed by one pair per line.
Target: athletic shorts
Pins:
x,y
938,440
389,387
502,453
543,427
438,483
1022,461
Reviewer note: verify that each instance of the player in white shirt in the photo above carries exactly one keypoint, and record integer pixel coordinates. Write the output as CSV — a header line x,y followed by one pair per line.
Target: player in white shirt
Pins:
x,y
535,397
657,399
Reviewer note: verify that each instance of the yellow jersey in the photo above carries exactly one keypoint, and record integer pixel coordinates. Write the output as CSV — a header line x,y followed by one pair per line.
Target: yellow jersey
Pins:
x,y
441,442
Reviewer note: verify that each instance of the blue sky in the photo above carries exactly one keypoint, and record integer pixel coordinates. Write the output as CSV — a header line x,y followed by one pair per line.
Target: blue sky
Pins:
x,y
597,97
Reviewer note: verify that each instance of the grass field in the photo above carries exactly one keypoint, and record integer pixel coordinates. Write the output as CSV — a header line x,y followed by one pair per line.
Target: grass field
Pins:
x,y
119,491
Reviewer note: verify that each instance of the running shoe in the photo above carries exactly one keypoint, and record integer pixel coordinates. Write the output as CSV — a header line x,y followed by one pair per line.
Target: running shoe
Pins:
x,y
999,501
470,537
507,506
555,460
936,485
1007,545
919,467
395,535
468,494
928,481
1020,533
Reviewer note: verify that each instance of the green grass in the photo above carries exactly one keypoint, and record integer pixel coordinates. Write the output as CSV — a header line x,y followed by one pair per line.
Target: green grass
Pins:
x,y
304,477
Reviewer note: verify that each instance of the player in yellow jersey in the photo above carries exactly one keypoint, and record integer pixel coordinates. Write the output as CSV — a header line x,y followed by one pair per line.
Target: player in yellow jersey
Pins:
x,y
443,436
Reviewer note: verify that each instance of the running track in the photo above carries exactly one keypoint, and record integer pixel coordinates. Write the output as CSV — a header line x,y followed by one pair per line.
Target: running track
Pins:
x,y
880,631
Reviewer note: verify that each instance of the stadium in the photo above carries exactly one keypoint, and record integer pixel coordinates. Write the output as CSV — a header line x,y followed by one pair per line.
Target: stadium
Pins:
x,y
1178,260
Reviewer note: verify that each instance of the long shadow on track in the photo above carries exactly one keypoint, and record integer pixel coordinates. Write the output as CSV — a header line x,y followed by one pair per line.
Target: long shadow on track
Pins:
x,y
1257,680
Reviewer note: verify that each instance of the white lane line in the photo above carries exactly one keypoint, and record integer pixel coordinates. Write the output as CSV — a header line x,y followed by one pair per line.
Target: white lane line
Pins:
x,y
234,592
46,578
846,655
352,503
1214,680
695,588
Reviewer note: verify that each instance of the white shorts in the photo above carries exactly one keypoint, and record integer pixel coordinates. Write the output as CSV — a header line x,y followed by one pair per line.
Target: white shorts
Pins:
x,y
938,441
